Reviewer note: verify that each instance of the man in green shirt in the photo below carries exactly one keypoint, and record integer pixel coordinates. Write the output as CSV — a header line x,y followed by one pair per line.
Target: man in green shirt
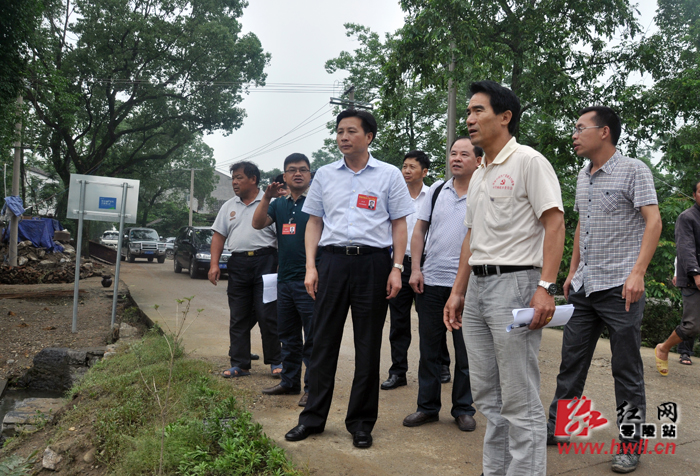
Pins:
x,y
295,307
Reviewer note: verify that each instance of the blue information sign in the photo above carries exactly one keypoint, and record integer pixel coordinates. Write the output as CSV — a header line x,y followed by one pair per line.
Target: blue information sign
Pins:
x,y
108,203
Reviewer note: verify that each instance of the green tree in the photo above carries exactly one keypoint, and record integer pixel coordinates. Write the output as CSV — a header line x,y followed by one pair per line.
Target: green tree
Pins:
x,y
556,56
119,87
18,19
409,115
672,58
327,154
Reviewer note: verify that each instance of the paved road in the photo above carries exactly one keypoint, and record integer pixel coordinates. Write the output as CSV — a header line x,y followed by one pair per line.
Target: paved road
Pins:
x,y
438,448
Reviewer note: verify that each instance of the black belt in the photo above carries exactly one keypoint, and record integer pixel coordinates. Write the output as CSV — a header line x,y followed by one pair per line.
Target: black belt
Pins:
x,y
408,259
488,269
354,250
260,252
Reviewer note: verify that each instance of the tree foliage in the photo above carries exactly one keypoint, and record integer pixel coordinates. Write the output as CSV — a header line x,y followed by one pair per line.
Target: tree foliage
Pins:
x,y
128,87
409,115
18,19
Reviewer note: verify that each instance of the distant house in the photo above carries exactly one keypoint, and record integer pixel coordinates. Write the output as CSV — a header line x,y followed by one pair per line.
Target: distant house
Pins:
x,y
35,180
222,193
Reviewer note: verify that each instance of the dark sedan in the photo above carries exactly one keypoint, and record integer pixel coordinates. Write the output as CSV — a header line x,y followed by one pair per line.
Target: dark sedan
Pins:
x,y
192,250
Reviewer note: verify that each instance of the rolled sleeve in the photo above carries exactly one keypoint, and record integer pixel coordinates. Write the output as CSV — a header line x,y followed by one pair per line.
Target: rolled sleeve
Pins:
x,y
643,190
427,207
543,190
313,205
400,203
220,224
272,211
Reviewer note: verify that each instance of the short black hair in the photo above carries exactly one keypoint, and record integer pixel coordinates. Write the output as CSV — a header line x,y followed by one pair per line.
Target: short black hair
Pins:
x,y
249,169
605,116
695,187
420,156
459,139
294,158
280,179
369,123
501,99
478,151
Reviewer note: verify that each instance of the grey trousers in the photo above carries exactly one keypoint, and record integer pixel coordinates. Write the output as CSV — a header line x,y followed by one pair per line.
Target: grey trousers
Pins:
x,y
689,327
505,374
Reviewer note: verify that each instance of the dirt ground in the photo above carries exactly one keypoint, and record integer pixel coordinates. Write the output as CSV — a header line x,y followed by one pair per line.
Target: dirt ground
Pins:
x,y
32,323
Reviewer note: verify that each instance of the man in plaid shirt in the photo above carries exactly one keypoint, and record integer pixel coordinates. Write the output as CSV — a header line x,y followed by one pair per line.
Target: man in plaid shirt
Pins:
x,y
616,236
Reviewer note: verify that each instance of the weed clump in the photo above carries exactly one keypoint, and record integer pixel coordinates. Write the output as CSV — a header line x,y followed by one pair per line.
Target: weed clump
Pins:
x,y
206,430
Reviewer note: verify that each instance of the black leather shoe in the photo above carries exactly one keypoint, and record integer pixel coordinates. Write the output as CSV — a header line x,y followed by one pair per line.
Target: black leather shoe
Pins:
x,y
362,439
445,376
394,381
466,422
304,398
279,390
419,418
254,357
301,432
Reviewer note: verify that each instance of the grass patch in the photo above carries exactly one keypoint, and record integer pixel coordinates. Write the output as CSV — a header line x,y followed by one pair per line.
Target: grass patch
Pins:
x,y
207,432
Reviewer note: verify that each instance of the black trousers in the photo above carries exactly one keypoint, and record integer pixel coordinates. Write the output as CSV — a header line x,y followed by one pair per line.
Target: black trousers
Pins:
x,y
581,333
245,290
357,283
400,331
432,333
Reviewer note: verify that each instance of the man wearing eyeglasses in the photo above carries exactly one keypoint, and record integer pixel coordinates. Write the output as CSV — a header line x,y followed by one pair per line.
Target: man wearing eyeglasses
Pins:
x,y
358,207
294,306
618,229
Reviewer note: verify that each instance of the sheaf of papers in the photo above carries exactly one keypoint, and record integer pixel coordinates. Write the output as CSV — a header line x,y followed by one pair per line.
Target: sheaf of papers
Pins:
x,y
269,287
523,317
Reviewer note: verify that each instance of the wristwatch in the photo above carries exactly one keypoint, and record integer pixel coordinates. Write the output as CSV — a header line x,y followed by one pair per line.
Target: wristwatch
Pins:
x,y
551,288
398,265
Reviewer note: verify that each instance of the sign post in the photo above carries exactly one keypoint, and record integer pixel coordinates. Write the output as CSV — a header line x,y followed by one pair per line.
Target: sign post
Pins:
x,y
94,198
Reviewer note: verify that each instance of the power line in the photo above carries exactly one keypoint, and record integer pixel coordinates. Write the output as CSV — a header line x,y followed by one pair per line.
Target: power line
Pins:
x,y
318,129
295,88
262,149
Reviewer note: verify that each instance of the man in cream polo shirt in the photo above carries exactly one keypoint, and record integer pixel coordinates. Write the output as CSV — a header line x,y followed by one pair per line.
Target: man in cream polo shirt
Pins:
x,y
253,254
509,260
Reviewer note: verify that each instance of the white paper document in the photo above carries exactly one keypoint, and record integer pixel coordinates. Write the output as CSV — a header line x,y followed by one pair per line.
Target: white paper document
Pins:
x,y
523,317
269,288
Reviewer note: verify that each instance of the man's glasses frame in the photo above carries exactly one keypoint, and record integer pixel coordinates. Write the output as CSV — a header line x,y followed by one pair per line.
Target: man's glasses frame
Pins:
x,y
294,171
579,130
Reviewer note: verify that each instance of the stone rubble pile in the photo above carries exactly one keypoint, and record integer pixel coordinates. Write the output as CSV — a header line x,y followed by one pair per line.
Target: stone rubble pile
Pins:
x,y
37,266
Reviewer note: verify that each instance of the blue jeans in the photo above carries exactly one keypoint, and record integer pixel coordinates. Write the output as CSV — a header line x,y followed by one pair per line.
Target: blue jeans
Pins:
x,y
295,310
505,374
432,338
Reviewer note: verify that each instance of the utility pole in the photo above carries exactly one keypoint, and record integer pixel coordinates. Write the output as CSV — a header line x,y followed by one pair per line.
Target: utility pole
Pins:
x,y
14,220
451,115
191,193
350,103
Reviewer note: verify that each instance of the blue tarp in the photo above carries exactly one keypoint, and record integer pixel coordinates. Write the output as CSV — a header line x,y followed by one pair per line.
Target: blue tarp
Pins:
x,y
39,231
14,204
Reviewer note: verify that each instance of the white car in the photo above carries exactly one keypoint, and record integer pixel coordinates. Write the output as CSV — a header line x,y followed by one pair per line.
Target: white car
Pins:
x,y
110,238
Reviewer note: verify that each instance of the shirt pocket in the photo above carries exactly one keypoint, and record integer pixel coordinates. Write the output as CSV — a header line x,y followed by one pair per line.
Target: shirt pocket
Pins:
x,y
609,200
499,212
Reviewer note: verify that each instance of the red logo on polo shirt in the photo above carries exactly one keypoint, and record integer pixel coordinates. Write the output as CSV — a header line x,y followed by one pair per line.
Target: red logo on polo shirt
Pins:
x,y
503,182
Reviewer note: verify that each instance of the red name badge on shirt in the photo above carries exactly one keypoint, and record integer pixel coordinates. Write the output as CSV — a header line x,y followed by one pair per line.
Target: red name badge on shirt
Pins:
x,y
366,201
289,228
